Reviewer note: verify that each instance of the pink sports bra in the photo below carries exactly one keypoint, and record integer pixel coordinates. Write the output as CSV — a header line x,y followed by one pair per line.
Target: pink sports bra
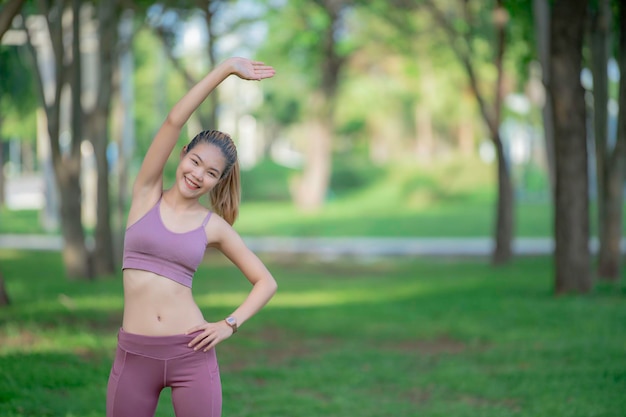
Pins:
x,y
150,246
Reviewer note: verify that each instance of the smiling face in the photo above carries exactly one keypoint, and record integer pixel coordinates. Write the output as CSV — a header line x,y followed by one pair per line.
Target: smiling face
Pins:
x,y
200,169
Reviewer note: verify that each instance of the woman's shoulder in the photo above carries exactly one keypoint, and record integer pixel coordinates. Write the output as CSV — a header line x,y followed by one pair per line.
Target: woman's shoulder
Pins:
x,y
219,230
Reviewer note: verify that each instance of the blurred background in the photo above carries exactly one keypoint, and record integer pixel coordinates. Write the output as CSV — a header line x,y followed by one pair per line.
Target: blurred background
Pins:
x,y
410,114
393,131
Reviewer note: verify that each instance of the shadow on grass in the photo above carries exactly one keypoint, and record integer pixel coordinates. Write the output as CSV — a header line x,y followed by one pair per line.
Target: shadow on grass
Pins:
x,y
52,384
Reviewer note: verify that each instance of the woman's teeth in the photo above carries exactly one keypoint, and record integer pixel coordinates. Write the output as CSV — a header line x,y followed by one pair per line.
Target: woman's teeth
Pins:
x,y
190,183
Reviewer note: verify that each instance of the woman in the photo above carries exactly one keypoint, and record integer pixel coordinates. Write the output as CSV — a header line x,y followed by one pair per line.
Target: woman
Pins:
x,y
164,340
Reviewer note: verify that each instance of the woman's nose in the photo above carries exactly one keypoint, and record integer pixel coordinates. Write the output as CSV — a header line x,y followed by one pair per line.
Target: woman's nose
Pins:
x,y
198,173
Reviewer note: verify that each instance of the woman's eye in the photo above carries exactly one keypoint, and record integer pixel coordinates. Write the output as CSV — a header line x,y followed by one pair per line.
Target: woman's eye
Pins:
x,y
194,162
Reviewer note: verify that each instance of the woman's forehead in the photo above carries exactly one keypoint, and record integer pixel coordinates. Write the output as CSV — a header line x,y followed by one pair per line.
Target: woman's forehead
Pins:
x,y
207,149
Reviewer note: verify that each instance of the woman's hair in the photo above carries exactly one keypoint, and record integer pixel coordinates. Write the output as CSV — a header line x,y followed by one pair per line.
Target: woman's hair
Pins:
x,y
226,194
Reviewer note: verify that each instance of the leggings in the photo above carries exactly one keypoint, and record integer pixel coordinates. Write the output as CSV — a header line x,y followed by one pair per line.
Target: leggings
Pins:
x,y
144,365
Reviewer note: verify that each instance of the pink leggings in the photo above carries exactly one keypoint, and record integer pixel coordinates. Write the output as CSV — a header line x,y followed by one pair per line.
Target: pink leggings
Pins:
x,y
144,365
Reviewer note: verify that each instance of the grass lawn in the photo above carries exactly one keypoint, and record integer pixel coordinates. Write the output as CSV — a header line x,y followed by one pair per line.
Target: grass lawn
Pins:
x,y
375,338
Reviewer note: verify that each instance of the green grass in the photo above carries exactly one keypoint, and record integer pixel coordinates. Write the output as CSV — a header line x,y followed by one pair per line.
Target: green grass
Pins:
x,y
388,337
19,221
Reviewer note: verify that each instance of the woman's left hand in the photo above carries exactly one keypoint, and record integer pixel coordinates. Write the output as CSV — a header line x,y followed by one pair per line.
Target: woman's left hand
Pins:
x,y
212,334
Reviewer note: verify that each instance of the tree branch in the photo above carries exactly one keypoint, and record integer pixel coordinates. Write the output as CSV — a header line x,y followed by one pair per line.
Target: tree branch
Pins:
x,y
464,57
8,12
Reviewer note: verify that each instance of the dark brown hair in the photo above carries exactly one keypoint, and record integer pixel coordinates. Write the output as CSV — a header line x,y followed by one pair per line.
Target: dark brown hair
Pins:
x,y
226,194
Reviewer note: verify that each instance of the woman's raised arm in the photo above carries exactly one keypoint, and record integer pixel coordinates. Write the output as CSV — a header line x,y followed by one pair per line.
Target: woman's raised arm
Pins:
x,y
150,177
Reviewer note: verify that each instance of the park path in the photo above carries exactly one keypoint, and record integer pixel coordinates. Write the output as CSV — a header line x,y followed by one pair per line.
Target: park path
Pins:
x,y
344,246
24,192
355,246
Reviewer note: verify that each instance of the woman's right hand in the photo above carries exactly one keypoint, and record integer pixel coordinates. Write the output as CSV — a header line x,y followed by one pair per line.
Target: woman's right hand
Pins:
x,y
247,69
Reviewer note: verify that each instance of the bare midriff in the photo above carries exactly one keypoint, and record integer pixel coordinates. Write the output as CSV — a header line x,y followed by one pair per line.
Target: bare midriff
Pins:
x,y
157,306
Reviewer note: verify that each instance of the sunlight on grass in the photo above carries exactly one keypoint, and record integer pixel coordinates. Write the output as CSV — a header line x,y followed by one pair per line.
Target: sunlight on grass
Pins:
x,y
63,303
345,297
35,338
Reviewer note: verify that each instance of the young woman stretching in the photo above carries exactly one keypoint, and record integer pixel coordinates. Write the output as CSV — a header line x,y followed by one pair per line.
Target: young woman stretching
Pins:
x,y
164,340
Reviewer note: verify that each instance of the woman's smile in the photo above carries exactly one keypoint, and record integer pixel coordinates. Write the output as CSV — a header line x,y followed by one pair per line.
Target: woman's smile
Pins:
x,y
191,184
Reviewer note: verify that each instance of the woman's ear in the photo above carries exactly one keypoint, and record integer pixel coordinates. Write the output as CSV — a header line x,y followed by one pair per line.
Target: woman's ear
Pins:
x,y
183,152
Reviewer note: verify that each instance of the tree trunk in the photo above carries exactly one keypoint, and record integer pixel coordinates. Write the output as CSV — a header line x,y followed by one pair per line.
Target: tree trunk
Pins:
x,y
7,13
103,255
98,117
2,179
610,256
66,163
541,14
313,185
599,39
571,212
75,254
491,115
124,129
4,295
505,208
504,217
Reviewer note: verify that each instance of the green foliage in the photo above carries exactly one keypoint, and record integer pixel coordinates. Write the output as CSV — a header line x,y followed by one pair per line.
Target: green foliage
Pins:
x,y
17,95
433,338
151,105
267,181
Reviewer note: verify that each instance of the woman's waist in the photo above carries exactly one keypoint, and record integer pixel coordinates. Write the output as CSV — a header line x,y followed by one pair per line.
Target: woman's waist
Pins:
x,y
151,322
155,305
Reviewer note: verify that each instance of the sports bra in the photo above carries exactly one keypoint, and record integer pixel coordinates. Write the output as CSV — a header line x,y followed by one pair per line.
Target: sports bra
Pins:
x,y
150,246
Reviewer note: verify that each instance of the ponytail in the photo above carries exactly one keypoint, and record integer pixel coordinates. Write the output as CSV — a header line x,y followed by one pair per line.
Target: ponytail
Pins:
x,y
226,195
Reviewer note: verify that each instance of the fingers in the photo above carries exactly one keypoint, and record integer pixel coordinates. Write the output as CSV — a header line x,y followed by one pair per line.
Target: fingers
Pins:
x,y
265,72
210,337
262,71
202,340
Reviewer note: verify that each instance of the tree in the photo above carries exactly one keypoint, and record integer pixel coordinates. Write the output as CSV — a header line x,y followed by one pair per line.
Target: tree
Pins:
x,y
167,31
9,11
54,64
541,19
97,127
610,254
460,40
609,154
571,209
312,186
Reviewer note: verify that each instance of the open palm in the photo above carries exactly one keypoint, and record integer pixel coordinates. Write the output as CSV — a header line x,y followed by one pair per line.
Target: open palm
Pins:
x,y
251,70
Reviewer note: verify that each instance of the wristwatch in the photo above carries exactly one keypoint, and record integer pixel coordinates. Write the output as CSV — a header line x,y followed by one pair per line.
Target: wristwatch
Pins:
x,y
232,322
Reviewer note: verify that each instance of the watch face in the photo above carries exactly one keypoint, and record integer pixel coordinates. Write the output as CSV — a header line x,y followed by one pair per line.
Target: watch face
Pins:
x,y
231,321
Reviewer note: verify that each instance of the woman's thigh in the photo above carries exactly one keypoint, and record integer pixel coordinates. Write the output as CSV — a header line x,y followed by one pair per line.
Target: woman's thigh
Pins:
x,y
135,383
196,385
